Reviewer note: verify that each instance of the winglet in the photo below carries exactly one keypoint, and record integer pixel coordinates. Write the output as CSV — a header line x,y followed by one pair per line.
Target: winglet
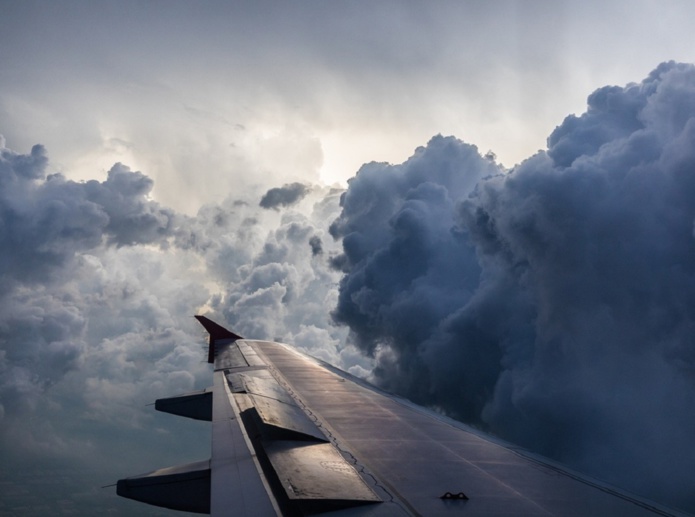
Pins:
x,y
216,332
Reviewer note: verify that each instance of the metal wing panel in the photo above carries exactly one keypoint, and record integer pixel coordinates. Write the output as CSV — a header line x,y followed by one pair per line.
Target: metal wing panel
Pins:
x,y
288,418
317,472
228,355
419,456
266,387
249,354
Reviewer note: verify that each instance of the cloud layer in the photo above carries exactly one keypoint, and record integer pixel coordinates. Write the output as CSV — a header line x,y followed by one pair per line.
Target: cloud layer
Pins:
x,y
553,304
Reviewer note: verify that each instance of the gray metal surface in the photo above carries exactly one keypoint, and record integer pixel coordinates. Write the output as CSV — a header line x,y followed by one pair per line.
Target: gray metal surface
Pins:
x,y
284,447
274,406
317,472
266,387
418,456
249,354
288,418
228,355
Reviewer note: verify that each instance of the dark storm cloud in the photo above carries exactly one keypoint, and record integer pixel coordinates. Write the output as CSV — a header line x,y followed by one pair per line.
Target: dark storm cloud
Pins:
x,y
132,217
286,195
46,219
406,263
316,245
555,304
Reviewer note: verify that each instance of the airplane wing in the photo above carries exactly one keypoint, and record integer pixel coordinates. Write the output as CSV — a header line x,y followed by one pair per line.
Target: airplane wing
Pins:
x,y
292,435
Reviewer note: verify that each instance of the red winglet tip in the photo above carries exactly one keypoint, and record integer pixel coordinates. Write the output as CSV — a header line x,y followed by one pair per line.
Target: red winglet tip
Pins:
x,y
216,331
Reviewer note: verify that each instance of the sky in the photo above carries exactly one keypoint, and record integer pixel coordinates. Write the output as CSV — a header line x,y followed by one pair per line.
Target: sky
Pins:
x,y
516,249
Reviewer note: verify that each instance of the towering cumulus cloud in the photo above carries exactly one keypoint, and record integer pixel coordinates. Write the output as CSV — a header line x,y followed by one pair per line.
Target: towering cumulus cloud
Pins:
x,y
553,304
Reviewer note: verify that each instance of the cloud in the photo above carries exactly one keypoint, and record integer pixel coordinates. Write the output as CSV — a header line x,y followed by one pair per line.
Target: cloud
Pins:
x,y
286,195
551,304
284,287
47,219
399,251
133,217
316,245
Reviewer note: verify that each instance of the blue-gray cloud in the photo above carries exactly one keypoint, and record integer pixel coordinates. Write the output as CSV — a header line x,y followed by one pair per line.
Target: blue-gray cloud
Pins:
x,y
286,195
45,219
553,304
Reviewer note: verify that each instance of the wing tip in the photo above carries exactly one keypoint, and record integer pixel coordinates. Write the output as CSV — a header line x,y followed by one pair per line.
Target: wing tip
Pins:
x,y
216,330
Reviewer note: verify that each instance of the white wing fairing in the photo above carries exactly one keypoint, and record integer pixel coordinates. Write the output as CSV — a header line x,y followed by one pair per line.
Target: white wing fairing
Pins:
x,y
294,436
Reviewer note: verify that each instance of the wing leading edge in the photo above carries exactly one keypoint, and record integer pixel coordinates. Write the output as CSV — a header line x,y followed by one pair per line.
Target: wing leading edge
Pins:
x,y
292,435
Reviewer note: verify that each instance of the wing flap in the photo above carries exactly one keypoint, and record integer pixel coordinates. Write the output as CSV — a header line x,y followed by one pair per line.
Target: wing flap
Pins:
x,y
317,476
285,421
278,416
